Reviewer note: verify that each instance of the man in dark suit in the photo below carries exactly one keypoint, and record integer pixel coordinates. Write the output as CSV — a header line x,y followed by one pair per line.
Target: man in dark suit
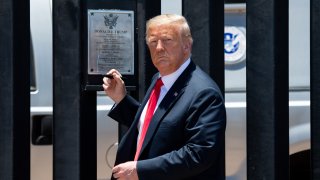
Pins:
x,y
184,138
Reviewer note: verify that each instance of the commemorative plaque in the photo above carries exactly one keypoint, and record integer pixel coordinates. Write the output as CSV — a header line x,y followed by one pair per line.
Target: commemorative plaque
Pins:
x,y
110,41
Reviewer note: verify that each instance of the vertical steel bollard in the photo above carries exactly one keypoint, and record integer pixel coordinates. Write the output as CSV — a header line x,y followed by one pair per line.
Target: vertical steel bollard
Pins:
x,y
315,88
74,110
267,90
206,21
14,90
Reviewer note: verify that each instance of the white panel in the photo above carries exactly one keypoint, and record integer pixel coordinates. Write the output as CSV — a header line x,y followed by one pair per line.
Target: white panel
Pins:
x,y
299,43
171,7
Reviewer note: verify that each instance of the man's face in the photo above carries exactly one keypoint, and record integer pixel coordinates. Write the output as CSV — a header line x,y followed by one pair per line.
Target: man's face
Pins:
x,y
167,48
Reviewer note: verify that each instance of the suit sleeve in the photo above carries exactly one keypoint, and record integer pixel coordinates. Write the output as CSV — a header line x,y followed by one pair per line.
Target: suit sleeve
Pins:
x,y
204,141
125,111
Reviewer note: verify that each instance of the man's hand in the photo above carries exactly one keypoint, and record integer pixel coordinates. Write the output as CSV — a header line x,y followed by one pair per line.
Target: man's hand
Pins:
x,y
114,88
126,171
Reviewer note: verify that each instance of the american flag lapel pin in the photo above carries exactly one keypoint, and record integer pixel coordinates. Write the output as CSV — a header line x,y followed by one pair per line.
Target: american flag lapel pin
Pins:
x,y
175,94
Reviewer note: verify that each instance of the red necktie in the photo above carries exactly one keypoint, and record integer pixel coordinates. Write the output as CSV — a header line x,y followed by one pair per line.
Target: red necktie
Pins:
x,y
150,110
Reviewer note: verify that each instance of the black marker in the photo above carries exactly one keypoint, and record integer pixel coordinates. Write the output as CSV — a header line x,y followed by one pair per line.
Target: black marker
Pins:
x,y
110,76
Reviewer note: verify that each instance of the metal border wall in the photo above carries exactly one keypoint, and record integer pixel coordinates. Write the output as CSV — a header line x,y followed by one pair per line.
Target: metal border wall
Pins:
x,y
74,110
206,21
267,90
15,90
315,88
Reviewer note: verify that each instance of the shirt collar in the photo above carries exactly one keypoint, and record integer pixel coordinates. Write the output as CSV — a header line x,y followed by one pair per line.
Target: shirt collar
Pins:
x,y
169,79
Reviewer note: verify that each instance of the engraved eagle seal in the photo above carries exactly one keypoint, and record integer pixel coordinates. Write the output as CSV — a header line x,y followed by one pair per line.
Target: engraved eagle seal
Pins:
x,y
110,20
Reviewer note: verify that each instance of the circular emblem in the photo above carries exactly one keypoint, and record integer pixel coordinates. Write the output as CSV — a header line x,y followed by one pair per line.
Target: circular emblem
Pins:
x,y
234,44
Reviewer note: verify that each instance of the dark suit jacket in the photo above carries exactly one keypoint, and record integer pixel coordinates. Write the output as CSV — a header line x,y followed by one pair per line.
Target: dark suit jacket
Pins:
x,y
185,139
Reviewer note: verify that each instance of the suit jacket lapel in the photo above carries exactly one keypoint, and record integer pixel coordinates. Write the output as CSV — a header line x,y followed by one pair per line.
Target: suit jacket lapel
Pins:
x,y
168,101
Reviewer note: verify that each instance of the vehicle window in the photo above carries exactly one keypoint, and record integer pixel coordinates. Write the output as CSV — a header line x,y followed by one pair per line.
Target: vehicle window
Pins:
x,y
32,70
